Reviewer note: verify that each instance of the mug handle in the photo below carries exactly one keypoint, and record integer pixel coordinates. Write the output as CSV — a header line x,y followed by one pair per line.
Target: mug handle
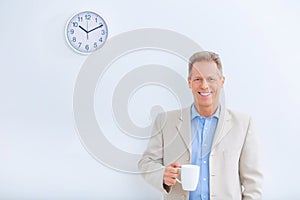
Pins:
x,y
179,181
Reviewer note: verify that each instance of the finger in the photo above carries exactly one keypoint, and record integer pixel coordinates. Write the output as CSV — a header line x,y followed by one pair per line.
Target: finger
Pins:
x,y
171,175
170,181
176,165
169,168
172,171
173,166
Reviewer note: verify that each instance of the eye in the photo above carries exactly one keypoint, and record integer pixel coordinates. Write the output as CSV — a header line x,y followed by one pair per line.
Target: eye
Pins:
x,y
211,79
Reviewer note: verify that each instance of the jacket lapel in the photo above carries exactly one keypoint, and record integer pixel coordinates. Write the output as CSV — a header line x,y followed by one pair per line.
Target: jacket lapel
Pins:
x,y
184,128
223,127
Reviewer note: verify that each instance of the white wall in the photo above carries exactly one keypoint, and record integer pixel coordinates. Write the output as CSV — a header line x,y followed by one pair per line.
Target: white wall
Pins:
x,y
40,151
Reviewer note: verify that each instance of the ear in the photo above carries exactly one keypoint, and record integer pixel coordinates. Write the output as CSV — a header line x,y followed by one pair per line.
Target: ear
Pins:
x,y
189,82
223,80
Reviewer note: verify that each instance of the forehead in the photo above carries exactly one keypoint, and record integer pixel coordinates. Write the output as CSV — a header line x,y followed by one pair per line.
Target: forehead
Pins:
x,y
205,68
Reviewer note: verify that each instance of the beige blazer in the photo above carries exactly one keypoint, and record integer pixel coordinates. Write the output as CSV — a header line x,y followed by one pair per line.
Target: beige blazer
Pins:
x,y
234,166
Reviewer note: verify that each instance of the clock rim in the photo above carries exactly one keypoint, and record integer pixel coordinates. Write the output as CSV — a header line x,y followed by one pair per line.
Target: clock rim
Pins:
x,y
66,31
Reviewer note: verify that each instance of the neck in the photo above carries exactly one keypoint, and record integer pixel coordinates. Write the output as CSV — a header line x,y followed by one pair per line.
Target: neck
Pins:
x,y
206,111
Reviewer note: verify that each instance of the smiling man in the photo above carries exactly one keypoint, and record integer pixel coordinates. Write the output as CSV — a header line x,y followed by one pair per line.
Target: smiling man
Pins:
x,y
206,80
221,141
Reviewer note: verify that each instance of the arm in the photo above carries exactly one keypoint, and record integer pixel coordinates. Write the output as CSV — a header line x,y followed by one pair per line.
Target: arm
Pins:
x,y
250,170
151,164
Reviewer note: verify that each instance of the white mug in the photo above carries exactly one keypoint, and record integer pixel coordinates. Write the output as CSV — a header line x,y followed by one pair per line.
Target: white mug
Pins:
x,y
189,177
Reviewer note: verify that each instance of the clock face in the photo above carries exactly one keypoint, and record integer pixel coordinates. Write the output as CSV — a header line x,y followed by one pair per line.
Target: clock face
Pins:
x,y
86,32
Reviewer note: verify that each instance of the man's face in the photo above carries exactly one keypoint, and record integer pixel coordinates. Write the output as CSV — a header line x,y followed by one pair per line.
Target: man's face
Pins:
x,y
206,82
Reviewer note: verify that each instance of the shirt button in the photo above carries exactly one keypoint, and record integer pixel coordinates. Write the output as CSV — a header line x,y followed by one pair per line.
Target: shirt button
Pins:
x,y
204,179
204,161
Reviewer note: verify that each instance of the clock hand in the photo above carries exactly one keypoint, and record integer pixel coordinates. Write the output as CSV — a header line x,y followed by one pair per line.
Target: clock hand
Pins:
x,y
87,28
83,29
95,28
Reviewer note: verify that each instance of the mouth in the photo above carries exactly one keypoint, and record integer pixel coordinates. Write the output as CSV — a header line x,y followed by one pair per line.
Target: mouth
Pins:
x,y
204,94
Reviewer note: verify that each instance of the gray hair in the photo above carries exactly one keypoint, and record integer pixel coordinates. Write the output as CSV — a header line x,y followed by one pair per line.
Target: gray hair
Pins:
x,y
205,56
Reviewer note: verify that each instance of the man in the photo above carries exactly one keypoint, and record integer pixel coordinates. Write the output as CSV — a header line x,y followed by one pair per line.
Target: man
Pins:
x,y
222,142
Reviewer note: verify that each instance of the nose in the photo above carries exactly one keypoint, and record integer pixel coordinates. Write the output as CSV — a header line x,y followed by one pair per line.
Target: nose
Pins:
x,y
204,84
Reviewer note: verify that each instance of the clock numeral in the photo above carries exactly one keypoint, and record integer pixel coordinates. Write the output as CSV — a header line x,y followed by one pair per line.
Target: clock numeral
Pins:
x,y
92,35
75,24
87,17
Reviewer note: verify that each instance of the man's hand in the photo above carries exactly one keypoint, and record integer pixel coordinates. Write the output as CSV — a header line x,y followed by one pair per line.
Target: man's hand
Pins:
x,y
171,173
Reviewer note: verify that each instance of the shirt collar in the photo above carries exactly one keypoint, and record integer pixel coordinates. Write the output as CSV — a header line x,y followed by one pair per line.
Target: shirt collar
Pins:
x,y
194,113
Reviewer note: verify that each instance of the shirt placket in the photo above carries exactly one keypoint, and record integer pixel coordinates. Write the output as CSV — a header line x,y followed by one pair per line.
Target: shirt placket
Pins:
x,y
203,178
204,159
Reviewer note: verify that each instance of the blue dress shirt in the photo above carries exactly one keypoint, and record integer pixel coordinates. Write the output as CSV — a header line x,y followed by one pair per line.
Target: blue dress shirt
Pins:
x,y
203,131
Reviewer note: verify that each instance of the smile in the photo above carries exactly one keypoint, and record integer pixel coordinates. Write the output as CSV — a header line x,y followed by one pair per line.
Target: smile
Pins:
x,y
204,94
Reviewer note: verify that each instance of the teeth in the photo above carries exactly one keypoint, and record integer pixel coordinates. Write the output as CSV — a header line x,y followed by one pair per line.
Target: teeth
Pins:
x,y
204,93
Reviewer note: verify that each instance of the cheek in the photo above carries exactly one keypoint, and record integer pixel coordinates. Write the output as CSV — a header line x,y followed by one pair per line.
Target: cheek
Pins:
x,y
216,91
215,87
194,87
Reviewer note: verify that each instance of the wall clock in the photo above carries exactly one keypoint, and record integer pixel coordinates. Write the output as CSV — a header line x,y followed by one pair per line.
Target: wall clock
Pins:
x,y
86,32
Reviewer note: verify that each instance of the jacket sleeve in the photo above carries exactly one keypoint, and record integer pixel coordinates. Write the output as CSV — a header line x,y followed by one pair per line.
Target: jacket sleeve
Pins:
x,y
151,164
250,167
